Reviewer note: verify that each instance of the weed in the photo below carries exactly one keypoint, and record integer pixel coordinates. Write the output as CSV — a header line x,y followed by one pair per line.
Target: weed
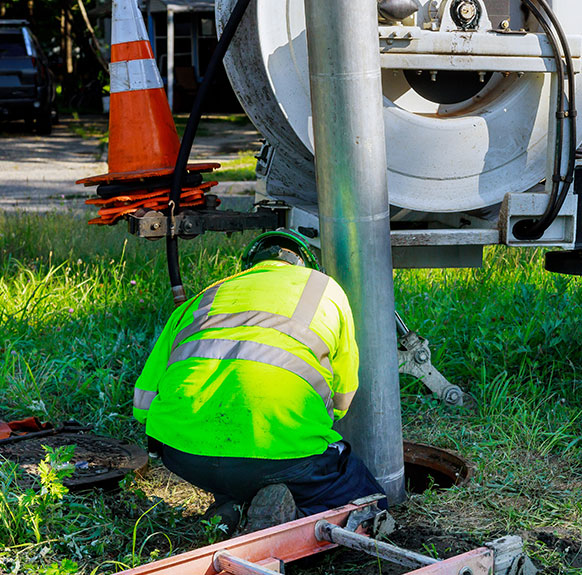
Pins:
x,y
213,529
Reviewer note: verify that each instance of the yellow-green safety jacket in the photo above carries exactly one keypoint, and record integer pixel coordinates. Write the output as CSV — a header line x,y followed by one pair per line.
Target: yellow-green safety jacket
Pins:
x,y
258,365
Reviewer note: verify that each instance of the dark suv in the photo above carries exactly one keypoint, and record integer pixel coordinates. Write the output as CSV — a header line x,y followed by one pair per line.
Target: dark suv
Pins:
x,y
27,88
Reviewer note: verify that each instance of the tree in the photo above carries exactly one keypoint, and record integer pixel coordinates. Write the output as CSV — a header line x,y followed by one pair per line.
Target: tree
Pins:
x,y
65,31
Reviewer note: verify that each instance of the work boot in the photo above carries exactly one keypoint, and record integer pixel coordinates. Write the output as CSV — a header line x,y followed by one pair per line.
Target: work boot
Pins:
x,y
272,505
229,513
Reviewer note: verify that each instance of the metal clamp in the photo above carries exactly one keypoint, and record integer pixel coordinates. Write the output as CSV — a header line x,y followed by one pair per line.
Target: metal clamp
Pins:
x,y
414,358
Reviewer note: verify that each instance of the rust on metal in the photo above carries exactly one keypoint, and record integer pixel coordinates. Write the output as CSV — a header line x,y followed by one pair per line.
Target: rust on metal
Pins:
x,y
445,467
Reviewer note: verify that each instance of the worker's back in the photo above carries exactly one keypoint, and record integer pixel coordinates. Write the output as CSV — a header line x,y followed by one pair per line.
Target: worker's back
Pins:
x,y
247,369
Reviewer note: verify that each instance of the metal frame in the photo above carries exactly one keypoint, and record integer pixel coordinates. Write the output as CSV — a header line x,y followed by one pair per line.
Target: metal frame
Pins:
x,y
264,552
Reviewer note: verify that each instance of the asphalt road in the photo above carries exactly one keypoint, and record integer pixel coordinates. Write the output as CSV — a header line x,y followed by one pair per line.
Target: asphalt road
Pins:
x,y
38,173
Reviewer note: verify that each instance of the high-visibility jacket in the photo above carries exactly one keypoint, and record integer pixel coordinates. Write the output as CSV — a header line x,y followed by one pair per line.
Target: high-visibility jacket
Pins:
x,y
259,365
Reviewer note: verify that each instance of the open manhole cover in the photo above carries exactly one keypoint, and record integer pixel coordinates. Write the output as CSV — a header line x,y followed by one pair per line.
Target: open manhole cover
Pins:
x,y
99,461
426,466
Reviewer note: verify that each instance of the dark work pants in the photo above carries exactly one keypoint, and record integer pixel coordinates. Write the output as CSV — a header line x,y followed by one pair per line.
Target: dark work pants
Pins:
x,y
318,482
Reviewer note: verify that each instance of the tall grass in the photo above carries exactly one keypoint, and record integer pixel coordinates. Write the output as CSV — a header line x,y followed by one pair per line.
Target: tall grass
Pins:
x,y
82,306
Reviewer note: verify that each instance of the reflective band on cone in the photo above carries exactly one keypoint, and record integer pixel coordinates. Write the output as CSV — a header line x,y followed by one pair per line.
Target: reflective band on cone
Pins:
x,y
142,134
143,142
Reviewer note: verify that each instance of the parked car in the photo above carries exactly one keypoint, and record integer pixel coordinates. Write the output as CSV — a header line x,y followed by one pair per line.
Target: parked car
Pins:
x,y
27,86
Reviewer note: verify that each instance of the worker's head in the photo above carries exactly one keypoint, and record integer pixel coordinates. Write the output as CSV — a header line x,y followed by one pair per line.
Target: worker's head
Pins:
x,y
283,245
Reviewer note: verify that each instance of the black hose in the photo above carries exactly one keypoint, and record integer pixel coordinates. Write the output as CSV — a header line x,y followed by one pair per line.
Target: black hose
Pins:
x,y
534,229
572,112
186,145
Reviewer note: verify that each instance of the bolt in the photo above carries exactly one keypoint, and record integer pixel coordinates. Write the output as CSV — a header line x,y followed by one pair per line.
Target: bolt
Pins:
x,y
421,356
482,77
187,226
155,227
504,25
506,74
467,11
453,396
433,75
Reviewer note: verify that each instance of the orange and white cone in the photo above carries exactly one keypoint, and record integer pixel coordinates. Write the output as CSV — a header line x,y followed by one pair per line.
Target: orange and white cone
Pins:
x,y
143,141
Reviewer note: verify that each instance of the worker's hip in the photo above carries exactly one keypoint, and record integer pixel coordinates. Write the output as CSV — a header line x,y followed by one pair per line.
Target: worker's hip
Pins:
x,y
317,482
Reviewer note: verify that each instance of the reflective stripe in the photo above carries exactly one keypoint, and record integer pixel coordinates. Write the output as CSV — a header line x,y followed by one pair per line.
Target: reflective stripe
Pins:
x,y
310,298
134,75
223,349
143,399
128,24
263,319
201,314
342,401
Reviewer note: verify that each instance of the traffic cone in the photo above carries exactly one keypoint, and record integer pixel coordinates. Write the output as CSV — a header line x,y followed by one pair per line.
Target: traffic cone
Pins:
x,y
143,142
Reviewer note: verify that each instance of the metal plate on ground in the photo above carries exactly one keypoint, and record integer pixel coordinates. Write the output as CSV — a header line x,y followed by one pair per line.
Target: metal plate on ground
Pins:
x,y
99,461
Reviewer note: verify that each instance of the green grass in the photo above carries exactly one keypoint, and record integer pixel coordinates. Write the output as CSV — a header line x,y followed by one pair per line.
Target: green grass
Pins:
x,y
241,169
81,307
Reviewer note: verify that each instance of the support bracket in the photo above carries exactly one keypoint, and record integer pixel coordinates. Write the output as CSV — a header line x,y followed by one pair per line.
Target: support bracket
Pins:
x,y
414,358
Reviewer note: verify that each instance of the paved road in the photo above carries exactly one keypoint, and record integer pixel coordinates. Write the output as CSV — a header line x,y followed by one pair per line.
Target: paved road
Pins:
x,y
38,173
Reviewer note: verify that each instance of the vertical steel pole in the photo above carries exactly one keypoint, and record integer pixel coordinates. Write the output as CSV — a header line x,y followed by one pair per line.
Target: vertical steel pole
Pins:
x,y
354,215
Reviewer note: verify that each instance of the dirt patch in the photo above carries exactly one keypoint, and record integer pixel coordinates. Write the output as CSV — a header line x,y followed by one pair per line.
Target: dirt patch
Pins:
x,y
560,541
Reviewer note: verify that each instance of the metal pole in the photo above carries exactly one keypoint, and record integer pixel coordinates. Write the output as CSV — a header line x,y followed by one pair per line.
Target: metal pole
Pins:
x,y
325,531
354,216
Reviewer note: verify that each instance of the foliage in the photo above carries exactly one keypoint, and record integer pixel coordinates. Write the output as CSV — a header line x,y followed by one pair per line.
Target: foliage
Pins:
x,y
82,307
213,529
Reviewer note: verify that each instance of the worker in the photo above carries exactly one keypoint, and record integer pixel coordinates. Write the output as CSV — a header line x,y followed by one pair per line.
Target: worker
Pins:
x,y
243,386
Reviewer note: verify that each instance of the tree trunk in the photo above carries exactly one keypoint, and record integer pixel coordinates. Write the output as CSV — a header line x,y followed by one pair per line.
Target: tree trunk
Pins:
x,y
95,44
69,40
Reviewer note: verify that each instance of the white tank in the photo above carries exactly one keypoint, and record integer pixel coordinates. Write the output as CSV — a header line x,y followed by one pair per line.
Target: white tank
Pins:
x,y
466,112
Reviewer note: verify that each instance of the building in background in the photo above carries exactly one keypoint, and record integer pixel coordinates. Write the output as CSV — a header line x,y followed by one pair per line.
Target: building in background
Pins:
x,y
183,37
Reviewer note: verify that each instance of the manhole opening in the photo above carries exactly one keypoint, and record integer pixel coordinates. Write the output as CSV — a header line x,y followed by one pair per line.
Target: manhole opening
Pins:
x,y
428,467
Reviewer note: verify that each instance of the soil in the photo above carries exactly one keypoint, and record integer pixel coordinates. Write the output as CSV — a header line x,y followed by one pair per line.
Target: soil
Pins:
x,y
97,460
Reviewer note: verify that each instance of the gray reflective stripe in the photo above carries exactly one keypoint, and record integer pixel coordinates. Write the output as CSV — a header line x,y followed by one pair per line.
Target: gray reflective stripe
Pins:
x,y
143,399
128,24
132,75
200,315
263,319
341,401
310,298
252,351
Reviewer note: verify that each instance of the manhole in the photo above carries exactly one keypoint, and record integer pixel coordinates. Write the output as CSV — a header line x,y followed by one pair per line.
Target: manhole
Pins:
x,y
426,466
99,461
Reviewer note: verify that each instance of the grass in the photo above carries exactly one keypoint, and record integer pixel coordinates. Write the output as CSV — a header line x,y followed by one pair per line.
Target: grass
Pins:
x,y
241,169
81,307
